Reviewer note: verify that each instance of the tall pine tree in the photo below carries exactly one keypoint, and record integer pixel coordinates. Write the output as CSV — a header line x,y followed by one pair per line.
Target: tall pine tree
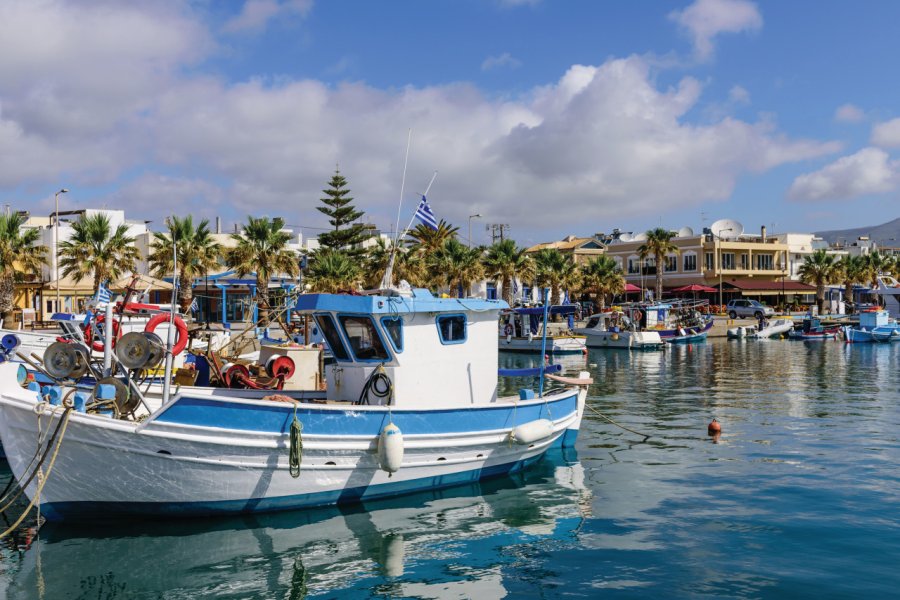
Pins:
x,y
341,215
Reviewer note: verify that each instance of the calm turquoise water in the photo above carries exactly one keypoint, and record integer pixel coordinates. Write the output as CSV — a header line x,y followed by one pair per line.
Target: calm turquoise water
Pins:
x,y
799,497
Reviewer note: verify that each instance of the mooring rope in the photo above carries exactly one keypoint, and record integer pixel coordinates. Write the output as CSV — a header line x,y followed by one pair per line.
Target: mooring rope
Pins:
x,y
63,422
607,419
295,453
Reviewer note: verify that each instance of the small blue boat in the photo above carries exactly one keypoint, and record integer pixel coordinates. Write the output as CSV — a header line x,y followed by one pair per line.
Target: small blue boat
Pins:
x,y
875,326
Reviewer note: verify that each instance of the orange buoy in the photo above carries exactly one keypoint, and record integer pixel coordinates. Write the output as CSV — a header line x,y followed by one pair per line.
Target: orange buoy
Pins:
x,y
714,428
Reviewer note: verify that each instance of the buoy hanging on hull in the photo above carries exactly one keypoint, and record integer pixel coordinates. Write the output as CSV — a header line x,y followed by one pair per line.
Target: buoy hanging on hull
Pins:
x,y
533,431
390,448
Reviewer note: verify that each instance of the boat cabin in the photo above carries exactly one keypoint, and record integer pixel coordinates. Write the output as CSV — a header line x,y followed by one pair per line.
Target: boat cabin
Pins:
x,y
435,351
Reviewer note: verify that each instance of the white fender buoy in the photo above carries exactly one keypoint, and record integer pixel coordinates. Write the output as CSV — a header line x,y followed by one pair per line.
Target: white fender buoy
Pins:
x,y
508,338
528,433
390,448
530,337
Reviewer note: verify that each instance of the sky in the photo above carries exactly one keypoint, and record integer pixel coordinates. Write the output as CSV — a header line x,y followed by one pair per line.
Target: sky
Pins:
x,y
553,117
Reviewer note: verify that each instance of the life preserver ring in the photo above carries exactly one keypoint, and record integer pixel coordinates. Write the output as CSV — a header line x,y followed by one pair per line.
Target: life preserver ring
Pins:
x,y
638,315
508,329
98,325
180,327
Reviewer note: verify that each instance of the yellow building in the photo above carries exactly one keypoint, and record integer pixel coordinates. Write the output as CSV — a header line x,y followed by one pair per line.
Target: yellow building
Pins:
x,y
578,249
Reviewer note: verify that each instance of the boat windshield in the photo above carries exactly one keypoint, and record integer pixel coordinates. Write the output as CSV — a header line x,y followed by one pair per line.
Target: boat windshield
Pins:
x,y
364,339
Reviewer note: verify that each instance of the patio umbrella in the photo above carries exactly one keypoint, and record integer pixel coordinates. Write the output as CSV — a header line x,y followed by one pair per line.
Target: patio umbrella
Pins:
x,y
694,287
630,287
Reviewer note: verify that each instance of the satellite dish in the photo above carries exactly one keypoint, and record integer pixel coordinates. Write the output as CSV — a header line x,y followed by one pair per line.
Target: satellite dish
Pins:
x,y
641,237
626,237
727,229
685,232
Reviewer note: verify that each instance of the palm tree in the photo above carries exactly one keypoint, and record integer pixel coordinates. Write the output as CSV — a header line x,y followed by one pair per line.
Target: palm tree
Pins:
x,y
505,262
851,270
20,258
331,271
602,277
408,265
554,270
262,249
876,262
819,269
658,245
95,248
457,265
197,251
426,240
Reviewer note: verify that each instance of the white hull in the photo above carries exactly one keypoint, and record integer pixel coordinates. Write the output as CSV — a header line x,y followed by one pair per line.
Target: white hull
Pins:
x,y
555,344
775,328
637,340
107,466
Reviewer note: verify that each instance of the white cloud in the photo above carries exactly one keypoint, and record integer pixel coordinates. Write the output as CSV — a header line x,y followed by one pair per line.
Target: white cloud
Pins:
x,y
739,95
256,14
504,60
705,19
887,134
849,113
869,171
605,139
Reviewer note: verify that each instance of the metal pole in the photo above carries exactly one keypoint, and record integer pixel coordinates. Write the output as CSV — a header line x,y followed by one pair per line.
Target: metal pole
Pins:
x,y
167,378
108,339
56,244
544,338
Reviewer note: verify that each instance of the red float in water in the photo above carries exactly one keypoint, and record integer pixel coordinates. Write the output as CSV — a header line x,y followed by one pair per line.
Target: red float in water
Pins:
x,y
714,428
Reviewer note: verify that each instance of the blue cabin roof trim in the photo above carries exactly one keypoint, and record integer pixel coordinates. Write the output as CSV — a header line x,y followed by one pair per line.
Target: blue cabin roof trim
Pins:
x,y
422,301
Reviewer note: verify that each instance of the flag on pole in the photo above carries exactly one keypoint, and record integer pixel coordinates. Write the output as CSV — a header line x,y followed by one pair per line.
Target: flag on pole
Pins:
x,y
424,214
566,298
194,306
102,293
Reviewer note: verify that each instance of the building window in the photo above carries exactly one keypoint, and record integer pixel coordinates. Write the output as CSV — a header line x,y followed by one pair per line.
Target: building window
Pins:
x,y
491,292
634,265
764,262
728,260
690,262
671,264
363,337
709,261
452,329
745,262
649,266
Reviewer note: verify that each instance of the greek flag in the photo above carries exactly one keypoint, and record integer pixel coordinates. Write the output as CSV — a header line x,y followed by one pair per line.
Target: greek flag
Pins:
x,y
424,214
566,298
194,306
102,294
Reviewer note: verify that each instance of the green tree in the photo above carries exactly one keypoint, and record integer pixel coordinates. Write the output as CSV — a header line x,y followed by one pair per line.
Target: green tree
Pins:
x,y
21,258
504,262
95,248
554,270
262,249
408,265
424,242
851,270
658,245
347,235
875,264
331,271
819,269
601,278
457,265
198,252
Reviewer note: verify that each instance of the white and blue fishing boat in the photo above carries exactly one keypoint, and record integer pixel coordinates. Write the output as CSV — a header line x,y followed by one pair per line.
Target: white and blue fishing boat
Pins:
x,y
522,330
412,404
875,326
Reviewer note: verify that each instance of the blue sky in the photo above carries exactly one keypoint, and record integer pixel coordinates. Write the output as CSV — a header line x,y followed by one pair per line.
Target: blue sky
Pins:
x,y
554,117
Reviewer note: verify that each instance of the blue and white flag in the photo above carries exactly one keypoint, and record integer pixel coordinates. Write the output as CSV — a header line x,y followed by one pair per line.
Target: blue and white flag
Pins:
x,y
566,298
103,294
515,286
424,214
194,306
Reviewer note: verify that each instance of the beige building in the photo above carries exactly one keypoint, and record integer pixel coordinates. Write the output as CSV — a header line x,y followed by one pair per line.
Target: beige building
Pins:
x,y
579,249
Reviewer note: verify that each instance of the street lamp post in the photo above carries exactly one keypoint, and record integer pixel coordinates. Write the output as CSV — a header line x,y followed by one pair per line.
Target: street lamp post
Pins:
x,y
470,227
719,258
56,243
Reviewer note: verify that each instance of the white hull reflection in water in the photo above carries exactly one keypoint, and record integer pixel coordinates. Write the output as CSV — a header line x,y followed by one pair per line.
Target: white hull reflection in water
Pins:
x,y
449,543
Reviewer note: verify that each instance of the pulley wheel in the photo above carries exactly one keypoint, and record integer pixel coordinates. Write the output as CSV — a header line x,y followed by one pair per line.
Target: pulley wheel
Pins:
x,y
125,401
83,362
235,375
133,350
278,364
157,349
60,360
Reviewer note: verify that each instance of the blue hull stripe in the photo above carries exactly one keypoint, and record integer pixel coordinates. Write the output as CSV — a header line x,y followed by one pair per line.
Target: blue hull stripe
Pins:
x,y
56,511
205,412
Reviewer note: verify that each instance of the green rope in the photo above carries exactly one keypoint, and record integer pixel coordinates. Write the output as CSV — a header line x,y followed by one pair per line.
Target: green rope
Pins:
x,y
296,450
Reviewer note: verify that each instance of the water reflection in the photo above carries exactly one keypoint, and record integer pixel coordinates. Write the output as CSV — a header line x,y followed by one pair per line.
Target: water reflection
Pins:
x,y
449,543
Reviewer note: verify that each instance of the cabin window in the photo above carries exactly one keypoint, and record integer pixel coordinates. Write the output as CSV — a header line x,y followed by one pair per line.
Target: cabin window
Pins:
x,y
332,337
364,339
394,328
452,329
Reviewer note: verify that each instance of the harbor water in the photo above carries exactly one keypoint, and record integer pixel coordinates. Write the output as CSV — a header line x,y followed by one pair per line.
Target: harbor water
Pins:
x,y
798,497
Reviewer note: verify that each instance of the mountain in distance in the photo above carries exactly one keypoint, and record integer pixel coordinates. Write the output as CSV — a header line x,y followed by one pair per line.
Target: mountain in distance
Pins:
x,y
885,235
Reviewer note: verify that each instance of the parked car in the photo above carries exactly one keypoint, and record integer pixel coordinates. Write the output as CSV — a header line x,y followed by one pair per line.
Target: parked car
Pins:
x,y
748,308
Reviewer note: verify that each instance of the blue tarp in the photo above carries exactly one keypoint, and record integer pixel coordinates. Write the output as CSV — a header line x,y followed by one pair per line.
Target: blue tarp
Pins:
x,y
533,372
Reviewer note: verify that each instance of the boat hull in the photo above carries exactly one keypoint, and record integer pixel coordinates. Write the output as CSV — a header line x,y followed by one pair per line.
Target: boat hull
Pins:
x,y
626,340
555,345
237,461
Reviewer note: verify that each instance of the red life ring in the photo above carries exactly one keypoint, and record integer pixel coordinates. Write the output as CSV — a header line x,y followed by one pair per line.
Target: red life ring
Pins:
x,y
181,329
508,329
98,325
638,315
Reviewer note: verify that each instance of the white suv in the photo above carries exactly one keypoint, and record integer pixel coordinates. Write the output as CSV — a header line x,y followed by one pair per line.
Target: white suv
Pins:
x,y
748,308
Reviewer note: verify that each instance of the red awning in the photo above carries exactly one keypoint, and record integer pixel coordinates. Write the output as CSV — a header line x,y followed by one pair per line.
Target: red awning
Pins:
x,y
694,287
630,287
